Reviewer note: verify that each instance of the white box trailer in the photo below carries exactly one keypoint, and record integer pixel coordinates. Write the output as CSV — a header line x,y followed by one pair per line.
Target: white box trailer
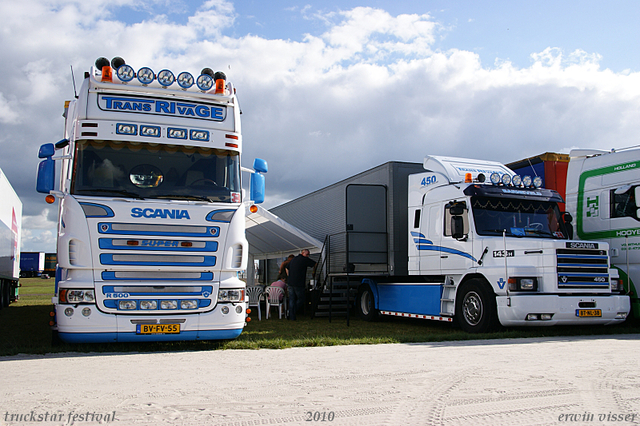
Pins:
x,y
10,233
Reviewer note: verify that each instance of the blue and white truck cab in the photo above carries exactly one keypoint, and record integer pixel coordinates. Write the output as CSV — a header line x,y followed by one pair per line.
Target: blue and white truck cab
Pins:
x,y
487,246
151,233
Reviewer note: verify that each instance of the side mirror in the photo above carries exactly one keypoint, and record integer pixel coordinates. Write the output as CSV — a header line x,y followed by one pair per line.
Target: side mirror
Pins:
x,y
45,182
567,219
456,209
260,165
257,188
46,151
457,227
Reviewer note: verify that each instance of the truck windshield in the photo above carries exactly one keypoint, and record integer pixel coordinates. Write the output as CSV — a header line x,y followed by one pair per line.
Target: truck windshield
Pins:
x,y
519,218
144,170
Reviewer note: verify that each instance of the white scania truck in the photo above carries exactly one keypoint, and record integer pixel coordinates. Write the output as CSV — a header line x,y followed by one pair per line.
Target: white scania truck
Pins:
x,y
151,207
603,193
487,246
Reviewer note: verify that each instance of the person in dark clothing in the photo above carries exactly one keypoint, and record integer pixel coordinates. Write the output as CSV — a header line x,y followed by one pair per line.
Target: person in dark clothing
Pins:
x,y
282,272
297,273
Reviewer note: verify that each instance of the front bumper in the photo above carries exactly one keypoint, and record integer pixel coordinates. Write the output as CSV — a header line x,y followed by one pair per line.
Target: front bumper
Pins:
x,y
614,308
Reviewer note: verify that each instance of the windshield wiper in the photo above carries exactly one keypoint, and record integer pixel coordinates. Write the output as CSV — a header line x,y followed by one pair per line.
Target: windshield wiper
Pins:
x,y
539,232
111,191
183,197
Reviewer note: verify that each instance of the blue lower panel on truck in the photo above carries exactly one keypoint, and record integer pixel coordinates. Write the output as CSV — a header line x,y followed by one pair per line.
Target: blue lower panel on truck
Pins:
x,y
423,299
133,337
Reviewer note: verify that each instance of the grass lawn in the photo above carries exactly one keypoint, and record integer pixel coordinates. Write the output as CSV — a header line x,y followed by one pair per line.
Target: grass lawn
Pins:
x,y
25,329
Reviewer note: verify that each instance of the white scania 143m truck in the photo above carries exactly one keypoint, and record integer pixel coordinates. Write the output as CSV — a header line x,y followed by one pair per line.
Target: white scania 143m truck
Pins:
x,y
488,246
151,232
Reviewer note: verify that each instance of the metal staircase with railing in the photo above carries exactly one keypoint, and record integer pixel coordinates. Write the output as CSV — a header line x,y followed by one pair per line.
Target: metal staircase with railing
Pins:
x,y
344,261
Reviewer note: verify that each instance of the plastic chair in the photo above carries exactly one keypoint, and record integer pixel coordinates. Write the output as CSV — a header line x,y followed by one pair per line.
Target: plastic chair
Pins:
x,y
275,297
255,294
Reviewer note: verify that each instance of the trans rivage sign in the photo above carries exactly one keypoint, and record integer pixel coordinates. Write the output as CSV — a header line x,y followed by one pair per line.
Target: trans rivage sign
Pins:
x,y
140,105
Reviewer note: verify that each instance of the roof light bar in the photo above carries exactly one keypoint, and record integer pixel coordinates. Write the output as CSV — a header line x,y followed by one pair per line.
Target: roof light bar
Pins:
x,y
207,81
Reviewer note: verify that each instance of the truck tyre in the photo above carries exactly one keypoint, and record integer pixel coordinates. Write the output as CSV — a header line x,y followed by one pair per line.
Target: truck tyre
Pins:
x,y
476,307
8,291
366,304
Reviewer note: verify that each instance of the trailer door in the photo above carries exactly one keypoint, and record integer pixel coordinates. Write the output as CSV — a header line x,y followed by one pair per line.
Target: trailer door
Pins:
x,y
366,227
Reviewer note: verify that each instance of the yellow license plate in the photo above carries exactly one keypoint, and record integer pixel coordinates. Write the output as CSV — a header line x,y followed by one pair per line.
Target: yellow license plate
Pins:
x,y
588,312
158,329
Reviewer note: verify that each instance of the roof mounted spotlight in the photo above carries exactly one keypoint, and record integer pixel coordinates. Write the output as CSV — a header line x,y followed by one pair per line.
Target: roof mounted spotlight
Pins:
x,y
517,180
207,71
481,177
220,79
166,78
537,182
495,178
125,73
185,80
146,75
102,62
205,82
103,65
117,62
526,181
506,179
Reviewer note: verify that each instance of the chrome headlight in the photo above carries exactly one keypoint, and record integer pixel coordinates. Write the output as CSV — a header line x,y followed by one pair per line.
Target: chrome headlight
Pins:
x,y
77,296
523,284
231,295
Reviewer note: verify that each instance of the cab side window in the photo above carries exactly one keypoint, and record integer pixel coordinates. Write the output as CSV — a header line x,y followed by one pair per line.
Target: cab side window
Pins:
x,y
624,202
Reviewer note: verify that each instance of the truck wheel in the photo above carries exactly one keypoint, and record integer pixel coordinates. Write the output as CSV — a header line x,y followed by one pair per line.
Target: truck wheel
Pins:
x,y
475,308
365,304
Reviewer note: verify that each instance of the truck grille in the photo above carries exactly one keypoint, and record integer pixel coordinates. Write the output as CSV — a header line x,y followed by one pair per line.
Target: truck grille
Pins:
x,y
582,269
176,262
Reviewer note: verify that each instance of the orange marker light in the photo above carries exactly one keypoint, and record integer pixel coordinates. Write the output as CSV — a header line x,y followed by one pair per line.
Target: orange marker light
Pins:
x,y
468,178
253,208
50,199
106,74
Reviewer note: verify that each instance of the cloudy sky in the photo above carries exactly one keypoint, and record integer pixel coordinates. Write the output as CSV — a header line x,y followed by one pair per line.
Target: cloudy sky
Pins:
x,y
331,88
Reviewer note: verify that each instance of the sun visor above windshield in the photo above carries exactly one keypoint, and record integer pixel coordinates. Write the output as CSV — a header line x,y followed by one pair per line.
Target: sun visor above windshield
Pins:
x,y
455,168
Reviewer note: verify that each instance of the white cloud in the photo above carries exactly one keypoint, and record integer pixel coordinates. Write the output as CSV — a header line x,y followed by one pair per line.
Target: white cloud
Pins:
x,y
41,221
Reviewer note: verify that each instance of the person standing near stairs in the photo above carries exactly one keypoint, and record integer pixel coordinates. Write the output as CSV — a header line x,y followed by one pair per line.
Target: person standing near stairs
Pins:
x,y
297,273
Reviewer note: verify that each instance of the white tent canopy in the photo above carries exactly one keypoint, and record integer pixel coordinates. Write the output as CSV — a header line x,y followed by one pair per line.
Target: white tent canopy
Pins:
x,y
271,237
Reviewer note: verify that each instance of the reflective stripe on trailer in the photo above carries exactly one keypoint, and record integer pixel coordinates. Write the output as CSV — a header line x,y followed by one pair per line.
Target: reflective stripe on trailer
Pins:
x,y
429,317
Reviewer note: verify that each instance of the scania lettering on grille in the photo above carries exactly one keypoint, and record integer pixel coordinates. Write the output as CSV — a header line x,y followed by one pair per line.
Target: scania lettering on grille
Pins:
x,y
155,106
160,213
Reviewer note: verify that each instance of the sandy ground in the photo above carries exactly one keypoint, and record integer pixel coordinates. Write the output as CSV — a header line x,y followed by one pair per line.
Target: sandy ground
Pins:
x,y
577,380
